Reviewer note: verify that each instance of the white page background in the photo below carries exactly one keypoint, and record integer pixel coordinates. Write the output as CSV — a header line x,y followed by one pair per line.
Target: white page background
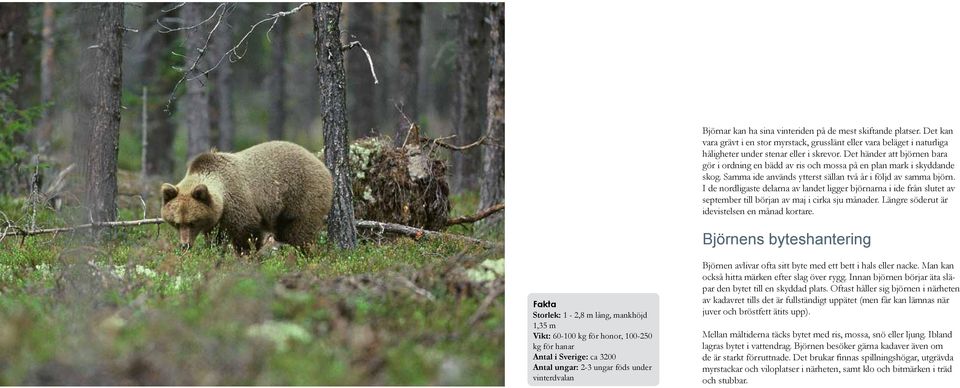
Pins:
x,y
605,101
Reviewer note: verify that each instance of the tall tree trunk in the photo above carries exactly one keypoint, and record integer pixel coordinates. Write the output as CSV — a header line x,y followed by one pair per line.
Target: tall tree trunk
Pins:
x,y
278,77
101,183
86,20
360,86
224,90
13,40
197,99
408,22
45,129
159,80
492,185
384,115
472,35
326,26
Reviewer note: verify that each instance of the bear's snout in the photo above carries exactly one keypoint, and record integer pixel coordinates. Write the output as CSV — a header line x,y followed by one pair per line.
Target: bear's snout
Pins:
x,y
186,237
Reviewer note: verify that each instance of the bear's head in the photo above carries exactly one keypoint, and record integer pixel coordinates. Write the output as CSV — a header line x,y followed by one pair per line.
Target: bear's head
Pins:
x,y
191,209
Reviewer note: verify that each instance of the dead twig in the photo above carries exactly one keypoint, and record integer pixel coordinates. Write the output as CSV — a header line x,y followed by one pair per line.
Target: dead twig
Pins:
x,y
413,134
417,233
178,5
193,73
406,119
476,217
365,52
166,30
415,289
485,305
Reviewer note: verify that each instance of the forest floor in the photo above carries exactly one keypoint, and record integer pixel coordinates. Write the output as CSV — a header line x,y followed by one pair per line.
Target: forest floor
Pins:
x,y
136,310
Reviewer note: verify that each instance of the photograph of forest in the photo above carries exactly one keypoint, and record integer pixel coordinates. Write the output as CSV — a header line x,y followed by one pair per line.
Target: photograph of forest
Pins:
x,y
252,193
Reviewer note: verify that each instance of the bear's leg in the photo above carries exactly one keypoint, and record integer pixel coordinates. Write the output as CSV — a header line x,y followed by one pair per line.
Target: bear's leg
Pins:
x,y
247,240
246,246
299,232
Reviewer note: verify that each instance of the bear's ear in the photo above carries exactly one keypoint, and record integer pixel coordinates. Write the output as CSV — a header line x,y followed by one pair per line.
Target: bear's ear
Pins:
x,y
169,192
200,193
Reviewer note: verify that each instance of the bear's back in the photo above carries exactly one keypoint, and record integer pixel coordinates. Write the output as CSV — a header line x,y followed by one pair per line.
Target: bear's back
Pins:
x,y
279,174
278,161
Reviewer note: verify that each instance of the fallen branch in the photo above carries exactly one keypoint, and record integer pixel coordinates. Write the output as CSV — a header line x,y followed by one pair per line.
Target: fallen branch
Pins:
x,y
111,224
373,226
417,233
476,217
440,142
485,305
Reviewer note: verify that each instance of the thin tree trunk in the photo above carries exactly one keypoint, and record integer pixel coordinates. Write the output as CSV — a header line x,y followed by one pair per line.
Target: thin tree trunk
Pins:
x,y
197,99
144,129
360,86
492,185
471,95
224,90
101,184
45,129
278,77
326,24
409,23
161,129
13,39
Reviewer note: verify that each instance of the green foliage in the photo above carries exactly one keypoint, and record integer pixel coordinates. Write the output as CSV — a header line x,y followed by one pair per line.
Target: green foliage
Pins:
x,y
129,309
128,158
14,121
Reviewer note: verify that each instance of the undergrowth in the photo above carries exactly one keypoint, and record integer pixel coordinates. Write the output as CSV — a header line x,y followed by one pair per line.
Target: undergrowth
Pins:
x,y
133,309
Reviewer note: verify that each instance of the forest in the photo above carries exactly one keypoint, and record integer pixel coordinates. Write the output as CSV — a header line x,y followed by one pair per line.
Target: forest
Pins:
x,y
102,103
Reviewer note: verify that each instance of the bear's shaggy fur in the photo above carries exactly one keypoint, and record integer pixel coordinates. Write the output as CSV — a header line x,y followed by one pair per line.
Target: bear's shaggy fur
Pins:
x,y
276,187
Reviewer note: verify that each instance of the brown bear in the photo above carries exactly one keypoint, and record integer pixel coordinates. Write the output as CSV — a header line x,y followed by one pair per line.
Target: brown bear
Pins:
x,y
276,187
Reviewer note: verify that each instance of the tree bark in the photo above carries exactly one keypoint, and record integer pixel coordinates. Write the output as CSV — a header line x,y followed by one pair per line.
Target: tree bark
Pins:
x,y
409,23
472,34
492,185
360,87
45,128
160,80
326,24
197,99
224,90
101,184
384,112
86,19
278,76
